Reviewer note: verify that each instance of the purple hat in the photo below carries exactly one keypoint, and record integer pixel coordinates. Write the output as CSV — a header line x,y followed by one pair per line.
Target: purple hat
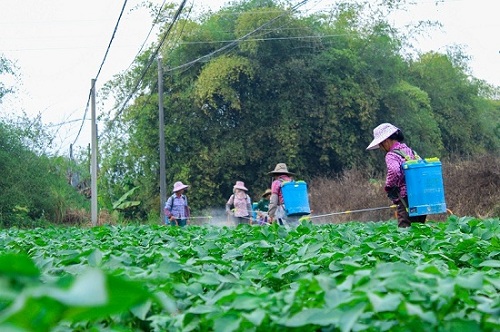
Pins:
x,y
179,186
381,133
240,185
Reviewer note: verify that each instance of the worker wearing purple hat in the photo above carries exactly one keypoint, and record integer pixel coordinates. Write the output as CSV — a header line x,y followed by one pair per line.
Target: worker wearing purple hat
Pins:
x,y
241,203
389,139
176,208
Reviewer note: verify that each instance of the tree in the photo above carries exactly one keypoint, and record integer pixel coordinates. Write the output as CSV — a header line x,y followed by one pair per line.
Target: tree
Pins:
x,y
453,100
257,83
32,186
6,69
410,109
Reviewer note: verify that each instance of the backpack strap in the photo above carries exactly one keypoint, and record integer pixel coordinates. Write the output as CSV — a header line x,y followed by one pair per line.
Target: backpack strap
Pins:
x,y
172,197
405,156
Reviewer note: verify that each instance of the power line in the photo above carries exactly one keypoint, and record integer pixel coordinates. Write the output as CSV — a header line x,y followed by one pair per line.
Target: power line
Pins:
x,y
269,38
152,58
100,68
156,82
149,33
223,48
236,41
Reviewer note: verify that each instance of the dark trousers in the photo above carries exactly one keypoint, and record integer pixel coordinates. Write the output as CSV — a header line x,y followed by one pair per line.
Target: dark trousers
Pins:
x,y
178,222
241,220
404,219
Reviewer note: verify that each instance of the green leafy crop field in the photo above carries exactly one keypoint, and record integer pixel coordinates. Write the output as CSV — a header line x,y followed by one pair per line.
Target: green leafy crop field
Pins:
x,y
441,276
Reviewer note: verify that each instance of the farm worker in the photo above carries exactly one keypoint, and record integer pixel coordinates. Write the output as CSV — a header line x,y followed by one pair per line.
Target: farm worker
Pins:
x,y
389,139
176,208
263,206
276,203
242,204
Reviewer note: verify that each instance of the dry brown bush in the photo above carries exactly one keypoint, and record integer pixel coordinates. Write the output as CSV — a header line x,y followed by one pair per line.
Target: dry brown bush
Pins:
x,y
83,217
75,217
472,188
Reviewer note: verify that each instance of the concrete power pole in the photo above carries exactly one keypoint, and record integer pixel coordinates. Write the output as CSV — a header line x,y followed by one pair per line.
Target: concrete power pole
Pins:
x,y
163,179
93,166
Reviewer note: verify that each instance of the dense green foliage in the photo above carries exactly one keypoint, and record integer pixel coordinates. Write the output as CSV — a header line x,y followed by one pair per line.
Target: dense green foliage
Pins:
x,y
33,186
345,277
256,83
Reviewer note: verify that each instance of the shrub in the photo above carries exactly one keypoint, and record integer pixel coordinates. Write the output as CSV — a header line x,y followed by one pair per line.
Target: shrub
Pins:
x,y
472,188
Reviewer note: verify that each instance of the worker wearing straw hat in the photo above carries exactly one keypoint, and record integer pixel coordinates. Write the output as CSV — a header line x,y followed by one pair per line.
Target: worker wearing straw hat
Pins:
x,y
276,204
176,208
389,139
263,207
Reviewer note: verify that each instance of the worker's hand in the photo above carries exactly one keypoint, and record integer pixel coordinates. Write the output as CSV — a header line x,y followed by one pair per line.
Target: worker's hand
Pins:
x,y
171,218
392,193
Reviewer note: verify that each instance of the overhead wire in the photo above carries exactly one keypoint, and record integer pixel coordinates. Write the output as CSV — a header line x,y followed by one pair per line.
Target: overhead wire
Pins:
x,y
223,48
152,58
155,86
236,41
149,33
100,68
176,16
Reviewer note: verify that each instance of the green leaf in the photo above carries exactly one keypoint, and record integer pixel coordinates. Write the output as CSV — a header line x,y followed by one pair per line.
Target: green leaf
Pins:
x,y
141,310
88,289
416,310
209,279
17,265
200,309
227,323
246,302
491,263
34,314
351,316
289,268
255,317
389,302
119,204
95,258
166,302
494,281
315,316
105,295
264,244
430,269
460,325
170,267
473,281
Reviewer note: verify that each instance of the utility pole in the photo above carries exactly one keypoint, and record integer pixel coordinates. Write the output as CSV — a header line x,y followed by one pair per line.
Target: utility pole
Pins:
x,y
163,179
93,166
70,171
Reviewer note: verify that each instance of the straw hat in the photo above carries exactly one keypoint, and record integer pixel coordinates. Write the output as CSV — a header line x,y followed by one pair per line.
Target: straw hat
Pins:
x,y
179,186
280,169
267,192
381,133
240,185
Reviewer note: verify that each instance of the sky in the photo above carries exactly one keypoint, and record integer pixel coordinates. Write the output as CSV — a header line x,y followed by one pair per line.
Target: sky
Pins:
x,y
59,45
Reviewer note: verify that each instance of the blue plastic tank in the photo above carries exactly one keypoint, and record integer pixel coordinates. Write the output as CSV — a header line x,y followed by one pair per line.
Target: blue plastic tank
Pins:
x,y
254,210
296,198
424,182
